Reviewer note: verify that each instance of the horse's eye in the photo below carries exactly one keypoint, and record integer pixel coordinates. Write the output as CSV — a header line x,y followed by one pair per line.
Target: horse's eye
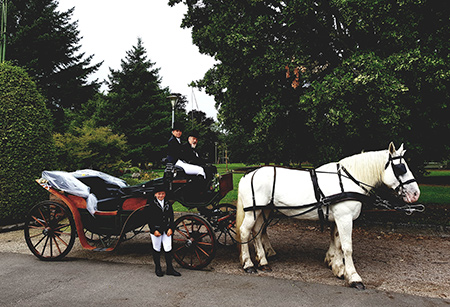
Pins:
x,y
399,169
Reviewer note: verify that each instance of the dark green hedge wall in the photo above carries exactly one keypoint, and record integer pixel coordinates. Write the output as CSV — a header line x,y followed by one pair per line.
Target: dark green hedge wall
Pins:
x,y
26,146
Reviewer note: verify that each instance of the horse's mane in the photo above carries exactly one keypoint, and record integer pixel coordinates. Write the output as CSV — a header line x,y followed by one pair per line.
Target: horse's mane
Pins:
x,y
367,167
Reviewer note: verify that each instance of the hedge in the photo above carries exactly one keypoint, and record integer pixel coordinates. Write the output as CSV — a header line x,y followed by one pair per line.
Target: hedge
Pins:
x,y
26,146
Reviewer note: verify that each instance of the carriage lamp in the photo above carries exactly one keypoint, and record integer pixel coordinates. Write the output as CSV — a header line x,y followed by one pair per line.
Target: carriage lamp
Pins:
x,y
173,100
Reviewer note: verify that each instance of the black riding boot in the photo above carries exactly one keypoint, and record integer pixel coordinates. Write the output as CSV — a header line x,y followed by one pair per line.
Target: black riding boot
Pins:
x,y
170,270
157,261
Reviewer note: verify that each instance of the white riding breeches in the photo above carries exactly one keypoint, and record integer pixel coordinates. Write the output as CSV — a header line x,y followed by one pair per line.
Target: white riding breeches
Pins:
x,y
191,169
164,240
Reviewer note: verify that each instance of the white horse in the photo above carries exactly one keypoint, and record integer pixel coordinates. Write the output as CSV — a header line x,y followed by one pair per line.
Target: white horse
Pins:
x,y
289,190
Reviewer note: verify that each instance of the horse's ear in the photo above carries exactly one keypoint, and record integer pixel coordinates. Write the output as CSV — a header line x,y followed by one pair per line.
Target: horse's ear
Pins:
x,y
401,150
392,148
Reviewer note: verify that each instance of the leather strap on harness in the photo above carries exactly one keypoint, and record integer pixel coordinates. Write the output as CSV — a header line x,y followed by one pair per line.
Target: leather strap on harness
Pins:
x,y
271,203
319,197
322,200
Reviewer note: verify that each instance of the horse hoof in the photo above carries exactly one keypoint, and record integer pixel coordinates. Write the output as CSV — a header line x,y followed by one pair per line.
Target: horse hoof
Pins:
x,y
358,285
265,268
251,270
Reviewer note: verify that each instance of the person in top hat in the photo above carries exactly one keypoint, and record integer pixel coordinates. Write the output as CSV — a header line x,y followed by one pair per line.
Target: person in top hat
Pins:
x,y
161,224
174,150
190,153
175,154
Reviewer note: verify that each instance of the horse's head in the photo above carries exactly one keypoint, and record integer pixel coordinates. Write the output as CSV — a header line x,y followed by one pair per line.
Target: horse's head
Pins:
x,y
398,177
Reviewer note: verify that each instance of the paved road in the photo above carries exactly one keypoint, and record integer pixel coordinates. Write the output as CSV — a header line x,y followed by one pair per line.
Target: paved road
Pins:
x,y
26,281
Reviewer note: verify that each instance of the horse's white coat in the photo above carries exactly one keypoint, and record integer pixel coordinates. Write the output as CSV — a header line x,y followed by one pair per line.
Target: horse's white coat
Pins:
x,y
294,188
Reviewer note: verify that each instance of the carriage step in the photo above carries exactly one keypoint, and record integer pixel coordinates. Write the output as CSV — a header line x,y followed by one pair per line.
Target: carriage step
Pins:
x,y
105,213
102,249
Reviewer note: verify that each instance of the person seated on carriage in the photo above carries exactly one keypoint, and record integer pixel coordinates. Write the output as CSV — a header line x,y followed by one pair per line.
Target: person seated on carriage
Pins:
x,y
192,156
161,224
176,155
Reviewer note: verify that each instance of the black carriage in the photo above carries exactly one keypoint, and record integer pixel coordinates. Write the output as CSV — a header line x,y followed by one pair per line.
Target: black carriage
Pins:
x,y
52,226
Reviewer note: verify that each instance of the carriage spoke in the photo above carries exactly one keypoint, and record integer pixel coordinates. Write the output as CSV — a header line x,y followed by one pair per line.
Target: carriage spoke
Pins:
x,y
62,226
45,246
39,242
203,251
39,221
57,245
182,233
59,238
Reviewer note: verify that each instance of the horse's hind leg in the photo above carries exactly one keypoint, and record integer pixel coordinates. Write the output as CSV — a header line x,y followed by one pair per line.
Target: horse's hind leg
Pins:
x,y
344,226
334,257
270,252
245,231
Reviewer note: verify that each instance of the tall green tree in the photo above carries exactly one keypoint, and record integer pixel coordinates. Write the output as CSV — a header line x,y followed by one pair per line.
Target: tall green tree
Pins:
x,y
46,42
317,80
136,106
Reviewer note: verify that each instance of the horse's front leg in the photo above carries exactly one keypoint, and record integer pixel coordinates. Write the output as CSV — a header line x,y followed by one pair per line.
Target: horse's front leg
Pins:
x,y
245,231
259,247
270,252
344,226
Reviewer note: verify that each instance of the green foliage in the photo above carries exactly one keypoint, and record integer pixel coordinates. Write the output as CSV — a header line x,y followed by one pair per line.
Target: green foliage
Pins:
x,y
46,42
90,147
136,106
318,80
25,141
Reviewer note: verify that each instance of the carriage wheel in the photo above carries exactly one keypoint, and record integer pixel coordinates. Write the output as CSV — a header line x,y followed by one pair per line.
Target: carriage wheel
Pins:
x,y
226,225
194,243
50,230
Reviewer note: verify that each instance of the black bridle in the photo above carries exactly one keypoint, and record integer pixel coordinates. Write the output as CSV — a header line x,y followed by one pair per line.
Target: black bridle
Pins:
x,y
399,170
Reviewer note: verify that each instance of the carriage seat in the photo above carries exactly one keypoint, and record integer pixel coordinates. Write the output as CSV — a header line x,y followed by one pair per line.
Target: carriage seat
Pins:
x,y
108,195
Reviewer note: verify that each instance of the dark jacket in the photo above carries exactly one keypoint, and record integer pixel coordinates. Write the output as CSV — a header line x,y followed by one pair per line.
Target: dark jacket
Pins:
x,y
160,219
190,155
174,150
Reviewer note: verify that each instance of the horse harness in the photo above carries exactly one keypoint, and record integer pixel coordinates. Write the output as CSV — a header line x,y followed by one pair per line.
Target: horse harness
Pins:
x,y
322,200
327,201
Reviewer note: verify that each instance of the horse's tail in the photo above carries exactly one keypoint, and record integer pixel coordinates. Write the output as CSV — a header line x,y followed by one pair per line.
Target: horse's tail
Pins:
x,y
239,215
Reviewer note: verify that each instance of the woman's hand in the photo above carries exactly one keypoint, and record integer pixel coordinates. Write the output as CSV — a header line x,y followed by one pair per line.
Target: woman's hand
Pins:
x,y
157,233
169,232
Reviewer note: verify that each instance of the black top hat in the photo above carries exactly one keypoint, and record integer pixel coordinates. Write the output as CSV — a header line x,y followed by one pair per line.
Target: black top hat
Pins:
x,y
177,126
194,134
160,188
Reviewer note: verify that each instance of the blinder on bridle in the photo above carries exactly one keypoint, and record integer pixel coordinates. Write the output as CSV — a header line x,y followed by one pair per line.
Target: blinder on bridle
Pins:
x,y
399,170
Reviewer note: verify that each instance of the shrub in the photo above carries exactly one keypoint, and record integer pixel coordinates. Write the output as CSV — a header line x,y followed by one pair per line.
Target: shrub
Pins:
x,y
90,147
26,143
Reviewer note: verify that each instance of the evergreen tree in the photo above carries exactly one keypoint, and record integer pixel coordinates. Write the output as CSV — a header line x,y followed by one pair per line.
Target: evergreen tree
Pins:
x,y
136,106
46,43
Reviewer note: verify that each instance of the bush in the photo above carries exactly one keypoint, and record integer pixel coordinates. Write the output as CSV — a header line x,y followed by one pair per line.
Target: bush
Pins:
x,y
26,143
90,147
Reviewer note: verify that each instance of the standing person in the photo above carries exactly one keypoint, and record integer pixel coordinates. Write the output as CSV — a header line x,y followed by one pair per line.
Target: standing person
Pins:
x,y
161,224
175,154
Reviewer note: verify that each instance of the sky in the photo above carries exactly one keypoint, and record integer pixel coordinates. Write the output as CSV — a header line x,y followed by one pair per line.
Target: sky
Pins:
x,y
110,28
